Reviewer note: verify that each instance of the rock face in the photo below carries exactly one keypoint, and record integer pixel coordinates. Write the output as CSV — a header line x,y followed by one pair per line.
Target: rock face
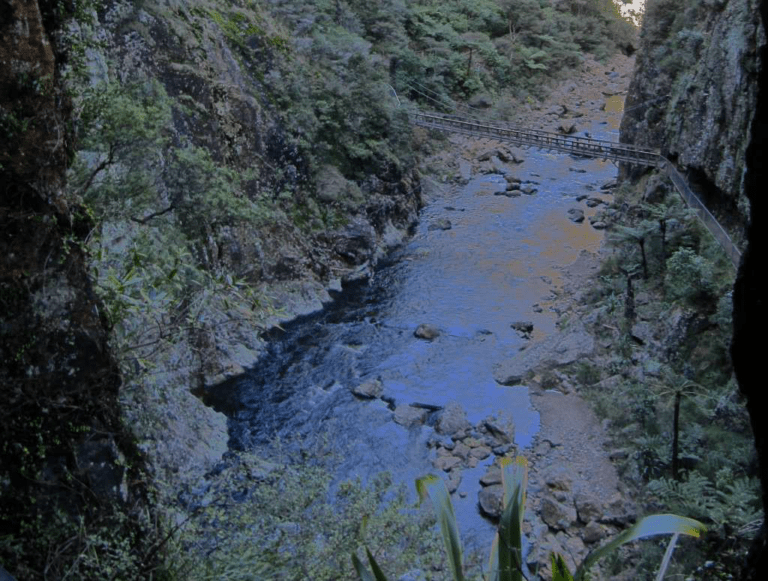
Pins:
x,y
694,89
64,449
749,308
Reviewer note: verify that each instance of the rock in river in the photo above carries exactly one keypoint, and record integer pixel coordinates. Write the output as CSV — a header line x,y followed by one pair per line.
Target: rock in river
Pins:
x,y
576,215
370,389
425,331
408,415
440,224
452,419
491,499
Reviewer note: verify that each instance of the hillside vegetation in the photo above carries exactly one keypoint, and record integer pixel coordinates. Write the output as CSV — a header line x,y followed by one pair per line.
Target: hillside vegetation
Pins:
x,y
226,160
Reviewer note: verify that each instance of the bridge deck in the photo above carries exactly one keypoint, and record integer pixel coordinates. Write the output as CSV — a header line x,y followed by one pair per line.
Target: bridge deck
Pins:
x,y
582,146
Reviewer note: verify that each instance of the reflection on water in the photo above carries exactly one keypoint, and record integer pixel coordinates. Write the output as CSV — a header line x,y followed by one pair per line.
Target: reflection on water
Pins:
x,y
499,259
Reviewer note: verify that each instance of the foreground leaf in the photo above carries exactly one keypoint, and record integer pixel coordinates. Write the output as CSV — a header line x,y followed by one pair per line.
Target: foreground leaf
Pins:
x,y
506,561
657,524
434,488
365,574
560,570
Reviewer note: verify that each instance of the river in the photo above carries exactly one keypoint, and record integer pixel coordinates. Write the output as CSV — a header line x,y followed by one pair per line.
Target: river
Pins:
x,y
499,259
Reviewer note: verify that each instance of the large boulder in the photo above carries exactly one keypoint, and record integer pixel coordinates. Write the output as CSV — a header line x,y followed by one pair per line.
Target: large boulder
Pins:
x,y
452,419
426,331
576,215
408,415
557,515
491,500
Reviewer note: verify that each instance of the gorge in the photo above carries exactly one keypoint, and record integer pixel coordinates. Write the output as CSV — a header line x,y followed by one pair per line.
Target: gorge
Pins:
x,y
179,178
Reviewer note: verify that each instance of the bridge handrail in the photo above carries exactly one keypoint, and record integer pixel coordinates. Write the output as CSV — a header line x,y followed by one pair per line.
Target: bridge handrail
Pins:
x,y
499,130
584,145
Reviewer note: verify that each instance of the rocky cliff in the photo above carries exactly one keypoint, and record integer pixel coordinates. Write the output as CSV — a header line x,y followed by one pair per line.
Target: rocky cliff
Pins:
x,y
699,94
749,306
68,467
693,94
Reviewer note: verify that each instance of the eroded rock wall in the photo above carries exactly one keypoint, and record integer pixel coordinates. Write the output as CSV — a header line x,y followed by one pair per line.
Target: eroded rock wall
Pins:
x,y
750,315
64,454
693,93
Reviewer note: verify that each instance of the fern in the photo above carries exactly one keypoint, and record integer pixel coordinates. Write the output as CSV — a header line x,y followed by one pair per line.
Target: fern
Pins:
x,y
695,497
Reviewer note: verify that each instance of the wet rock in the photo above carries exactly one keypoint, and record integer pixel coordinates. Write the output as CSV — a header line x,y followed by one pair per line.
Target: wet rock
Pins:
x,y
461,450
508,193
528,190
355,243
502,431
576,215
599,225
577,170
491,477
453,481
525,328
504,450
452,419
447,463
557,515
440,224
537,308
370,389
593,202
407,415
426,331
480,453
491,499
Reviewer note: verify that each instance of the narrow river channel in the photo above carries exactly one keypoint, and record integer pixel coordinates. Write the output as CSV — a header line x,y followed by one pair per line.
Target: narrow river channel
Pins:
x,y
500,258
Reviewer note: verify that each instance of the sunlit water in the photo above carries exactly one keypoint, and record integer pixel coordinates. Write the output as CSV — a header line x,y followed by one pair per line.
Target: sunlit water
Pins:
x,y
500,257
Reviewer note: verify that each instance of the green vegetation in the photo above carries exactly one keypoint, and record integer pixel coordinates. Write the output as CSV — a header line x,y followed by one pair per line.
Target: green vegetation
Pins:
x,y
263,520
506,559
667,384
198,133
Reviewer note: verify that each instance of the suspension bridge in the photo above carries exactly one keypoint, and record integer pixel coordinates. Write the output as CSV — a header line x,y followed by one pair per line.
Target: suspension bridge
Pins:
x,y
580,147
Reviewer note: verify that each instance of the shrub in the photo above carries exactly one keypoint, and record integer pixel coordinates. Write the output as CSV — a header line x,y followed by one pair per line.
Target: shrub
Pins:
x,y
688,276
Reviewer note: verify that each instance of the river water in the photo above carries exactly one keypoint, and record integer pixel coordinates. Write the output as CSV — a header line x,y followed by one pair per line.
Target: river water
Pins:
x,y
499,259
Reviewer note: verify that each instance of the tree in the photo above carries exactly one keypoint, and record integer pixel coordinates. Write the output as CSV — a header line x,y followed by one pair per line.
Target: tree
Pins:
x,y
640,235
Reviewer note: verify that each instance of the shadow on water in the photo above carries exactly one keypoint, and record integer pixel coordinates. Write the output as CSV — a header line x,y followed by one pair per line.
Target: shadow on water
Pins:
x,y
498,263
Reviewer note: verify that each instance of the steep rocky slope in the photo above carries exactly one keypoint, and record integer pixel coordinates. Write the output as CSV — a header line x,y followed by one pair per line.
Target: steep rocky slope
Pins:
x,y
64,455
693,94
699,95
749,308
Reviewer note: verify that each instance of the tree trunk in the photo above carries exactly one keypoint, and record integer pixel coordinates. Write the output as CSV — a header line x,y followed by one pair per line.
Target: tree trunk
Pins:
x,y
641,242
675,434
